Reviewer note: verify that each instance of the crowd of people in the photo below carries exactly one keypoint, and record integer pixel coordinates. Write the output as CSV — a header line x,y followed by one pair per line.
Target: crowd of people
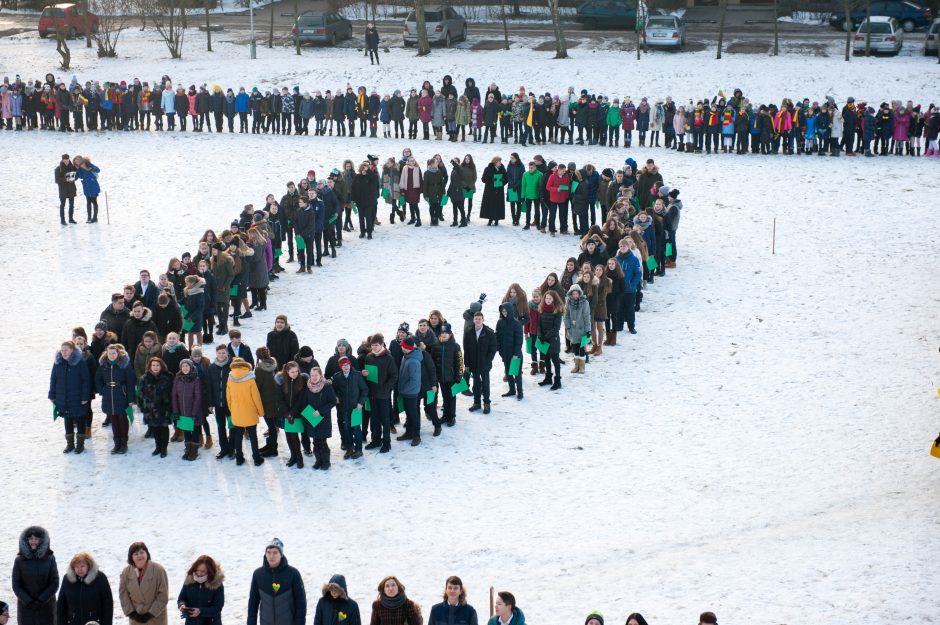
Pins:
x,y
277,594
733,124
147,349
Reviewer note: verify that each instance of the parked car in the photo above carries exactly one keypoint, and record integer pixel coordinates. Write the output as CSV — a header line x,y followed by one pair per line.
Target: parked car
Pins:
x,y
930,43
443,25
666,31
68,18
317,27
908,14
609,13
886,36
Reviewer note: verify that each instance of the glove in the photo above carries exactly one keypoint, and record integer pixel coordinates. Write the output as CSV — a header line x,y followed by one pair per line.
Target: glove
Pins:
x,y
146,616
134,616
482,298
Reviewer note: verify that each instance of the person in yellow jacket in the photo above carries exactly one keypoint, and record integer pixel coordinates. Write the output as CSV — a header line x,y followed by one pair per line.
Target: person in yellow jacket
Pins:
x,y
244,404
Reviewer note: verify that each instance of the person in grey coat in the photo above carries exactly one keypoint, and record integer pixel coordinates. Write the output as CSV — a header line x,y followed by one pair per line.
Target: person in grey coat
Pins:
x,y
577,323
35,579
409,388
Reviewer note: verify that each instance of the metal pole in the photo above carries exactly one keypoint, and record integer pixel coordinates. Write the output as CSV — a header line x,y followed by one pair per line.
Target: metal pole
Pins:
x,y
773,243
107,208
251,13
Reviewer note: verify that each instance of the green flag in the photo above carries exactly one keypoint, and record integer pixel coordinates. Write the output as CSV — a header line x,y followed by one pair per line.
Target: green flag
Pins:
x,y
459,386
367,405
295,427
515,365
233,292
187,424
332,219
497,180
444,200
299,240
312,416
385,193
401,200
187,325
467,194
400,405
574,185
528,343
372,373
184,311
277,252
355,418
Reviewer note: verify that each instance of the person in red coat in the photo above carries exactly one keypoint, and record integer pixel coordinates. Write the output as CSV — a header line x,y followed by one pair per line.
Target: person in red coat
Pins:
x,y
558,186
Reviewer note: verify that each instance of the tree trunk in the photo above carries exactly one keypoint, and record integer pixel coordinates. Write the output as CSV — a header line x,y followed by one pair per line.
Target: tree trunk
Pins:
x,y
721,27
62,47
424,48
87,30
271,30
561,47
868,28
296,32
848,30
515,8
638,26
208,32
502,13
776,34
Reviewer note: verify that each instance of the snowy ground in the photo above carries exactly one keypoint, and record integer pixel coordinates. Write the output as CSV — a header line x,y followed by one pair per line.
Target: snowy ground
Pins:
x,y
759,448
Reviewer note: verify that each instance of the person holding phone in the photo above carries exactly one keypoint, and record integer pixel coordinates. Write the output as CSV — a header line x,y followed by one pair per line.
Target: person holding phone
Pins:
x,y
87,172
202,597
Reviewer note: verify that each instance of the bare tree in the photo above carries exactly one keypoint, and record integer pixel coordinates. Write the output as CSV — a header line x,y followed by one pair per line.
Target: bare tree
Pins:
x,y
721,25
143,9
208,29
847,26
502,13
868,28
112,19
271,31
171,25
296,31
638,26
561,47
62,47
86,19
424,48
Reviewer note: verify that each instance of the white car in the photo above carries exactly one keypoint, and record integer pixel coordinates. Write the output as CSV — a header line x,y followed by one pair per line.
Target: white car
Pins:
x,y
930,43
886,36
443,25
666,31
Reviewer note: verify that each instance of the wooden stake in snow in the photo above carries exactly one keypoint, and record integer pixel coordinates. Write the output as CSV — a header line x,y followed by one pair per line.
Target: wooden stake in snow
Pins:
x,y
107,208
773,242
492,611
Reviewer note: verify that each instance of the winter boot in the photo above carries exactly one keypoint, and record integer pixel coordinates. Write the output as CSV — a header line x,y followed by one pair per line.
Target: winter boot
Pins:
x,y
575,369
486,408
208,442
541,366
535,369
607,337
79,443
123,448
474,407
317,457
557,384
613,339
598,350
69,444
157,443
117,446
88,432
177,435
547,380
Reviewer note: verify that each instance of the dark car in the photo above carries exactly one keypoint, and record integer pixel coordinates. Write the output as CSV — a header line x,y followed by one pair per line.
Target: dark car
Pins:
x,y
908,14
609,13
328,27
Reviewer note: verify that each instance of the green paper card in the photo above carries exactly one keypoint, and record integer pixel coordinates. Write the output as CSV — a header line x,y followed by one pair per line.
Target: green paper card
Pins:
x,y
129,411
367,405
459,386
400,405
355,418
385,192
401,200
184,311
297,427
431,396
187,325
233,292
562,187
299,240
541,346
523,207
585,340
187,424
651,263
467,194
669,249
55,412
497,180
444,200
512,195
332,219
312,416
372,373
277,252
515,366
528,343
228,422
355,208
574,185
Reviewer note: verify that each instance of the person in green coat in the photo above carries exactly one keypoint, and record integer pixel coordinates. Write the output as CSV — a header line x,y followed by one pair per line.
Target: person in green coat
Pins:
x,y
506,612
462,116
530,193
613,124
434,188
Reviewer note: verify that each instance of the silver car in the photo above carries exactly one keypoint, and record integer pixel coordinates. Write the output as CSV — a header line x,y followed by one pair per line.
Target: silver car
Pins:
x,y
443,25
665,31
930,43
886,36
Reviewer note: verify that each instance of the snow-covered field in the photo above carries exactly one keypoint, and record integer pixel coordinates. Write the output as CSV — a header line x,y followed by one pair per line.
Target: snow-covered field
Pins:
x,y
758,449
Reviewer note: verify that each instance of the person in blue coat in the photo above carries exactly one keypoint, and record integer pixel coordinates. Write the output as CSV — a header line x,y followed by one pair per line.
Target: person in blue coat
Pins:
x,y
644,222
88,174
509,345
202,597
335,607
277,590
632,274
115,384
591,181
70,393
322,398
454,609
409,389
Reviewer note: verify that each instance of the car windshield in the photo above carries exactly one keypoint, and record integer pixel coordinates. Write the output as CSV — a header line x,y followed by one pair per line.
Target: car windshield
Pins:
x,y
877,28
52,12
429,16
310,20
661,22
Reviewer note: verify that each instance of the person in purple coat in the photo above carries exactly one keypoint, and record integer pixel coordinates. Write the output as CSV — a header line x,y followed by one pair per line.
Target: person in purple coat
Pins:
x,y
187,402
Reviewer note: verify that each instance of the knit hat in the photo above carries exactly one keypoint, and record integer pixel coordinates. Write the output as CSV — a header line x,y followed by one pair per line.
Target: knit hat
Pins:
x,y
4,608
664,190
595,615
404,327
344,361
311,174
277,544
590,242
572,166
305,352
187,361
101,325
408,344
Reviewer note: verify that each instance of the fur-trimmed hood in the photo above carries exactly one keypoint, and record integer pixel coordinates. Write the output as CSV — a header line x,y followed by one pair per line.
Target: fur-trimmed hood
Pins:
x,y
214,583
267,364
144,318
42,550
123,360
337,582
89,578
74,358
349,349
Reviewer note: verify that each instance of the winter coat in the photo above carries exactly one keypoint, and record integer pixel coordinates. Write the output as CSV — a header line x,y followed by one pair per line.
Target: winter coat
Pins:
x,y
89,178
577,316
434,185
549,329
514,173
155,398
554,184
632,272
449,361
173,356
410,184
282,345
387,375
479,351
455,187
508,333
902,122
425,107
408,613
323,404
209,597
134,330
409,374
65,182
167,319
145,595
350,390
35,580
70,385
339,611
363,191
187,397
277,595
142,356
265,372
115,384
446,614
493,204
531,185
518,618
242,396
85,599
437,111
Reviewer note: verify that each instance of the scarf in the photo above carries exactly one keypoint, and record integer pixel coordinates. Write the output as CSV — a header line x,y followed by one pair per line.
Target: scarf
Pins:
x,y
643,224
659,210
200,579
393,602
172,348
316,388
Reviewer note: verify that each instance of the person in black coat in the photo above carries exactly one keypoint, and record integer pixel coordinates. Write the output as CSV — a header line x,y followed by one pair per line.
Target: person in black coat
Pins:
x,y
551,309
167,316
509,342
372,43
454,609
380,392
493,205
335,607
351,394
277,590
216,381
70,391
237,349
322,399
479,346
65,180
85,594
141,321
282,341
115,315
202,596
363,195
449,371
35,578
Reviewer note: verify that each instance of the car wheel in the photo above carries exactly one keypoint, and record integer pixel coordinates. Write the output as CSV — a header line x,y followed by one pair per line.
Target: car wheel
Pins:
x,y
463,37
71,34
447,39
43,34
408,44
908,26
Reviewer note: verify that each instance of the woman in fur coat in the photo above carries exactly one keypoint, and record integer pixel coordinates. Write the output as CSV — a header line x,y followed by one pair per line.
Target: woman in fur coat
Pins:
x,y
85,594
202,597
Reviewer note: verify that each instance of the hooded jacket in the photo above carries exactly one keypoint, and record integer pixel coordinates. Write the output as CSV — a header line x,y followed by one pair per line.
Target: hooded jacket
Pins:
x,y
35,580
339,611
577,315
115,383
85,599
277,595
508,333
242,396
70,385
209,597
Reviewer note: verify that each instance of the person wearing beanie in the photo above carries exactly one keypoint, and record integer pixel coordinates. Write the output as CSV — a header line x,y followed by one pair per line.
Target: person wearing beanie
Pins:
x,y
409,387
277,590
381,375
244,402
351,393
187,405
595,618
